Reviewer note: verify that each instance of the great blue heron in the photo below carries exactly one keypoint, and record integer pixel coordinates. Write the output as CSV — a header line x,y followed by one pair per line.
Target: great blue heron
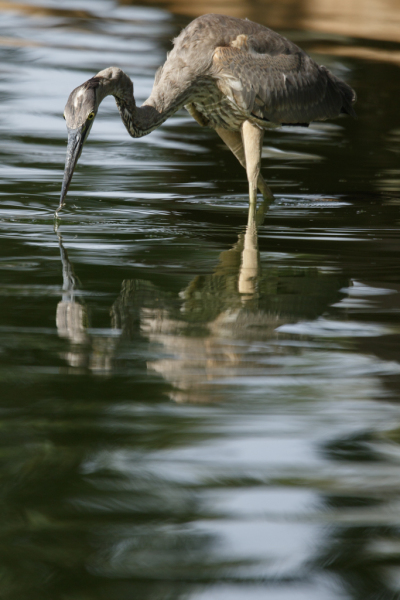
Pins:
x,y
232,75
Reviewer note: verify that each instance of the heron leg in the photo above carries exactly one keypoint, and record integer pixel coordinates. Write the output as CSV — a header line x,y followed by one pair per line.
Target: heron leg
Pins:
x,y
233,140
252,137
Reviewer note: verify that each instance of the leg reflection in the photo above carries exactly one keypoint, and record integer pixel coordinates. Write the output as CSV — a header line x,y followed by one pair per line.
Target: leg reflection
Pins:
x,y
250,263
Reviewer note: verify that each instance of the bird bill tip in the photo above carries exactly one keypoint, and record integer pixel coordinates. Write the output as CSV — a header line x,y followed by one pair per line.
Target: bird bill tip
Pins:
x,y
60,207
64,191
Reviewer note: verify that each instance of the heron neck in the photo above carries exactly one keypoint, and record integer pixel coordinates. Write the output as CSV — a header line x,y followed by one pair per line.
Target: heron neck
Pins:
x,y
165,99
142,120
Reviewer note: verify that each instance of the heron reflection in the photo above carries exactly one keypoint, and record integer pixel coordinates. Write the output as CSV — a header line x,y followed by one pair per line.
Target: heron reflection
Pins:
x,y
205,333
234,281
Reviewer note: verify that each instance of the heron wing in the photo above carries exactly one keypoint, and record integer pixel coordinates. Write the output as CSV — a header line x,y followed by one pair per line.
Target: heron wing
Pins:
x,y
273,80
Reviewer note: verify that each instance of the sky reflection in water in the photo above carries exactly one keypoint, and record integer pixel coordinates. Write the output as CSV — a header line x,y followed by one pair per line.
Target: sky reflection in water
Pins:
x,y
193,408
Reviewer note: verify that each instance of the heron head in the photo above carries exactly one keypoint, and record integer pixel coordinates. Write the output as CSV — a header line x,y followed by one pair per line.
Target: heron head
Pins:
x,y
81,110
79,114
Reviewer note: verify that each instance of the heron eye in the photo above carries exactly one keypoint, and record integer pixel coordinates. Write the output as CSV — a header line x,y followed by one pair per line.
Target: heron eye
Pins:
x,y
64,116
91,116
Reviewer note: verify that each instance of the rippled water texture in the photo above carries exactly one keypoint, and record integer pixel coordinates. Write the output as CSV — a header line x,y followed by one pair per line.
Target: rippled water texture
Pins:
x,y
191,408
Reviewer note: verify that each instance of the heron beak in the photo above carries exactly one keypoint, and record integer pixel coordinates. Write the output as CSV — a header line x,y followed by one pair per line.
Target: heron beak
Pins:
x,y
76,139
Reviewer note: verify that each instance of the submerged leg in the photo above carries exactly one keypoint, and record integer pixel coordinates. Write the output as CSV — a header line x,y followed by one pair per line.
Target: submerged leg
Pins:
x,y
252,137
233,140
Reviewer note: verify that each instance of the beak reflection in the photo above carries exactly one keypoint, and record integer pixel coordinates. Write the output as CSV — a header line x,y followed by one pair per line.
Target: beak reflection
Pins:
x,y
76,139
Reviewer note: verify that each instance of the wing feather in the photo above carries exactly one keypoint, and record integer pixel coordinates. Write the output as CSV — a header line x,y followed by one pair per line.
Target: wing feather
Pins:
x,y
274,80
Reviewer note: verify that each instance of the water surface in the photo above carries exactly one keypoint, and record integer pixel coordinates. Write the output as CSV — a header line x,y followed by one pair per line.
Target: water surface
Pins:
x,y
192,407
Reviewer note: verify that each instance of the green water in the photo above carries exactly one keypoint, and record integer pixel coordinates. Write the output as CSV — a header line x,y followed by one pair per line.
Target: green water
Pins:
x,y
189,410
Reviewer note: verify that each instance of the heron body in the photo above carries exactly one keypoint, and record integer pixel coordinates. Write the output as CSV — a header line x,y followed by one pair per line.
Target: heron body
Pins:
x,y
233,75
